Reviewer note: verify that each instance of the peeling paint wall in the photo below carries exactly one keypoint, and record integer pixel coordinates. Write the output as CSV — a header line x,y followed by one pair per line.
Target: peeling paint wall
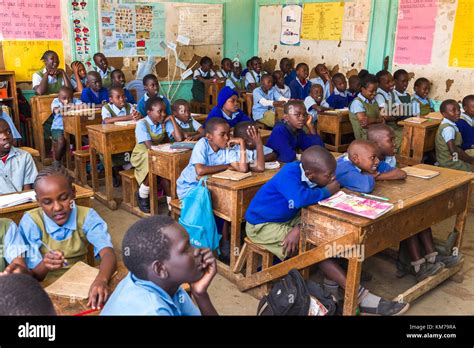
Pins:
x,y
446,82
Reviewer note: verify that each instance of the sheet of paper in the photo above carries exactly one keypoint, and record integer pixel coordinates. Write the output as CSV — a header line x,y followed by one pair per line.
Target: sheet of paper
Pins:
x,y
186,74
75,283
183,40
462,45
290,25
322,21
202,24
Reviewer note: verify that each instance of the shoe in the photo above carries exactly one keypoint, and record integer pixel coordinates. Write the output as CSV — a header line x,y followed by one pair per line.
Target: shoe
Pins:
x,y
143,203
115,179
225,251
428,269
385,308
449,261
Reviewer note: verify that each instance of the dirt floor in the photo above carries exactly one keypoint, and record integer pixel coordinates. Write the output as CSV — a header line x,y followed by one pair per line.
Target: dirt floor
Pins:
x,y
449,298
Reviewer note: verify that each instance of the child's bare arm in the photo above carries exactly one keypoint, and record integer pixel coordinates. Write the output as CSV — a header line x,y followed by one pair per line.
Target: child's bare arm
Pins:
x,y
177,133
27,187
396,174
461,155
202,169
254,134
99,291
52,260
199,288
110,120
241,166
310,125
270,157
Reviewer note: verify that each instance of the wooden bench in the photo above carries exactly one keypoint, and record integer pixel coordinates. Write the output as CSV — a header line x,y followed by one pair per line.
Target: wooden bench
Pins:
x,y
40,113
81,158
175,205
129,191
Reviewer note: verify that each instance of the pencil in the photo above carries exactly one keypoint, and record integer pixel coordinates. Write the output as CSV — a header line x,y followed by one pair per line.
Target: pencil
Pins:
x,y
375,197
85,312
49,249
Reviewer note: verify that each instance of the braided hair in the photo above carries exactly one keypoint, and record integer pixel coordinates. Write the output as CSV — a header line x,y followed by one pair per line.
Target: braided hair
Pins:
x,y
54,170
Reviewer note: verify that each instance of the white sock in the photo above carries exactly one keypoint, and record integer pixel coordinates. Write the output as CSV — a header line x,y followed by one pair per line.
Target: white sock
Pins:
x,y
431,258
367,299
127,166
144,191
168,200
417,264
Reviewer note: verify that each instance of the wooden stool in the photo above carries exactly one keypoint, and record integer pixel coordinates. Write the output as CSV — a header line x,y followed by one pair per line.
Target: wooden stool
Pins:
x,y
249,256
81,158
129,191
175,205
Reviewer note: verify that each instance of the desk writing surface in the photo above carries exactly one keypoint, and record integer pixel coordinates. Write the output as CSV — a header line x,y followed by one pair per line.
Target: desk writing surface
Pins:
x,y
428,124
110,128
254,180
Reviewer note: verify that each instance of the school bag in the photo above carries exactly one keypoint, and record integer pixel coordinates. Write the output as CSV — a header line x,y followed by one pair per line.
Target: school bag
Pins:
x,y
197,217
293,296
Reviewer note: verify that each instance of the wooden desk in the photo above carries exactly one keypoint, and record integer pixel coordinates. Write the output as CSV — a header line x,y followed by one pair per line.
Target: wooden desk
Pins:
x,y
76,124
337,124
168,166
417,139
419,204
265,134
83,197
201,118
108,139
40,113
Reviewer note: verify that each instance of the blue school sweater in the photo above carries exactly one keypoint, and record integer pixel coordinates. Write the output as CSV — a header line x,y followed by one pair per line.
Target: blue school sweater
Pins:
x,y
337,101
298,91
351,177
290,77
284,141
89,97
467,133
288,191
236,117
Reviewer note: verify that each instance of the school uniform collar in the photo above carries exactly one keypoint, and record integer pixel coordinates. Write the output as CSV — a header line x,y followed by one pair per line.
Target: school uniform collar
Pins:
x,y
364,99
305,179
231,117
282,90
13,152
424,101
400,94
342,94
225,74
150,122
391,161
346,159
146,97
52,227
209,149
299,82
233,78
451,123
116,109
181,123
467,118
387,95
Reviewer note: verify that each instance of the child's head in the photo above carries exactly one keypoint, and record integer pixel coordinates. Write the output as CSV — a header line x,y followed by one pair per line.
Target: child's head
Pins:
x,y
285,65
101,61
295,114
368,86
118,78
236,68
181,110
6,137
316,92
401,80
354,84
226,65
150,82
468,105
450,109
55,193
157,249
81,69
422,87
94,81
321,70
302,71
384,138
279,78
256,64
65,95
117,96
240,131
23,295
50,59
364,155
319,165
156,109
218,132
267,82
340,83
227,100
385,80
206,63
249,64
363,73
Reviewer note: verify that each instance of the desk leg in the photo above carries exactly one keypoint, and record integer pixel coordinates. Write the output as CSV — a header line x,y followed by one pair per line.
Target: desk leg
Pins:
x,y
94,174
352,286
459,226
418,144
153,193
67,136
109,188
235,246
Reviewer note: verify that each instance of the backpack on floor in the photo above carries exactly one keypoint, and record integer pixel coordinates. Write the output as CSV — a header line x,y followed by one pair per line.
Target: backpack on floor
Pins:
x,y
293,296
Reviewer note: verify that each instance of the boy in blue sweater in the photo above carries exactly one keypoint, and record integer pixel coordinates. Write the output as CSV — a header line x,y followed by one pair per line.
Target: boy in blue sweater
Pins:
x,y
276,226
300,86
466,125
94,93
339,98
288,136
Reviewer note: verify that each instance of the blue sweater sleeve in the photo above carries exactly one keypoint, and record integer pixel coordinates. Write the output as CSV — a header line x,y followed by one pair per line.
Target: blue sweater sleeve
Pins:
x,y
349,177
465,131
299,195
308,140
280,143
294,90
85,96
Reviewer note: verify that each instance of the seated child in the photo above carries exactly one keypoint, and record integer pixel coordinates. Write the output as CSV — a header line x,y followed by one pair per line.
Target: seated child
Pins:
x,y
421,104
225,70
384,139
152,88
227,108
13,249
448,141
401,79
257,153
339,98
16,135
103,68
248,67
465,124
118,80
389,105
94,93
79,76
253,78
265,98
17,166
156,128
324,79
288,136
300,86
315,103
58,231
212,154
201,75
235,79
51,78
280,86
364,110
191,129
276,226
62,103
23,295
354,88
286,66
159,258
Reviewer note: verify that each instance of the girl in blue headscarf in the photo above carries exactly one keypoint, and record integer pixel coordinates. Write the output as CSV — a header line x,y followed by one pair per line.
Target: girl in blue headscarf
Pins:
x,y
228,108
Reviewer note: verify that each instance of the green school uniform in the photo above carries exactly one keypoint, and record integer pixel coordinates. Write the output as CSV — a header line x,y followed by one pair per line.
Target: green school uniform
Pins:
x,y
240,85
405,99
255,79
52,88
4,225
118,160
139,157
371,111
443,155
198,88
425,109
398,130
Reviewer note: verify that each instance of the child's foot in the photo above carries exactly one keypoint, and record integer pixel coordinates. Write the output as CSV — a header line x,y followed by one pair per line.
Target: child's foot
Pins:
x,y
143,204
449,261
115,178
385,308
225,251
428,269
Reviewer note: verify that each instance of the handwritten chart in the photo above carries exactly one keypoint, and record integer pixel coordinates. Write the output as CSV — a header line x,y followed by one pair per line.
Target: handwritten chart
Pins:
x,y
462,46
201,24
322,21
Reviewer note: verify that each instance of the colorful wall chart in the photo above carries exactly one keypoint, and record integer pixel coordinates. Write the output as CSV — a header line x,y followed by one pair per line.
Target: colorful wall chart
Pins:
x,y
82,30
322,21
290,25
461,54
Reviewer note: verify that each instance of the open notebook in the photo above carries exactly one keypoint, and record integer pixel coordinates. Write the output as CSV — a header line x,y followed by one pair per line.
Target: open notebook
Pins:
x,y
75,283
15,199
420,173
417,120
232,175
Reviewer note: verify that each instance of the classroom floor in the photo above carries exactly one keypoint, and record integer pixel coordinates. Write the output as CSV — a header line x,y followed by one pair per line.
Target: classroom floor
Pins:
x,y
449,298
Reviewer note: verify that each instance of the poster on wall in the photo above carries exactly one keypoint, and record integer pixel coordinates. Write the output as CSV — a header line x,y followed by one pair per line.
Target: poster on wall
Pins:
x,y
290,25
322,21
355,26
415,31
461,54
81,29
202,24
129,30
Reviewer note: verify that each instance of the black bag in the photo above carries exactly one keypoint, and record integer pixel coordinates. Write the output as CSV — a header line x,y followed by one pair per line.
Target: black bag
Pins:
x,y
292,296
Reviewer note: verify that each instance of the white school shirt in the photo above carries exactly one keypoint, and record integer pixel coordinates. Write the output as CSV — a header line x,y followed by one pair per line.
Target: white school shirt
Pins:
x,y
222,74
36,79
253,77
309,102
449,133
285,92
326,86
199,72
